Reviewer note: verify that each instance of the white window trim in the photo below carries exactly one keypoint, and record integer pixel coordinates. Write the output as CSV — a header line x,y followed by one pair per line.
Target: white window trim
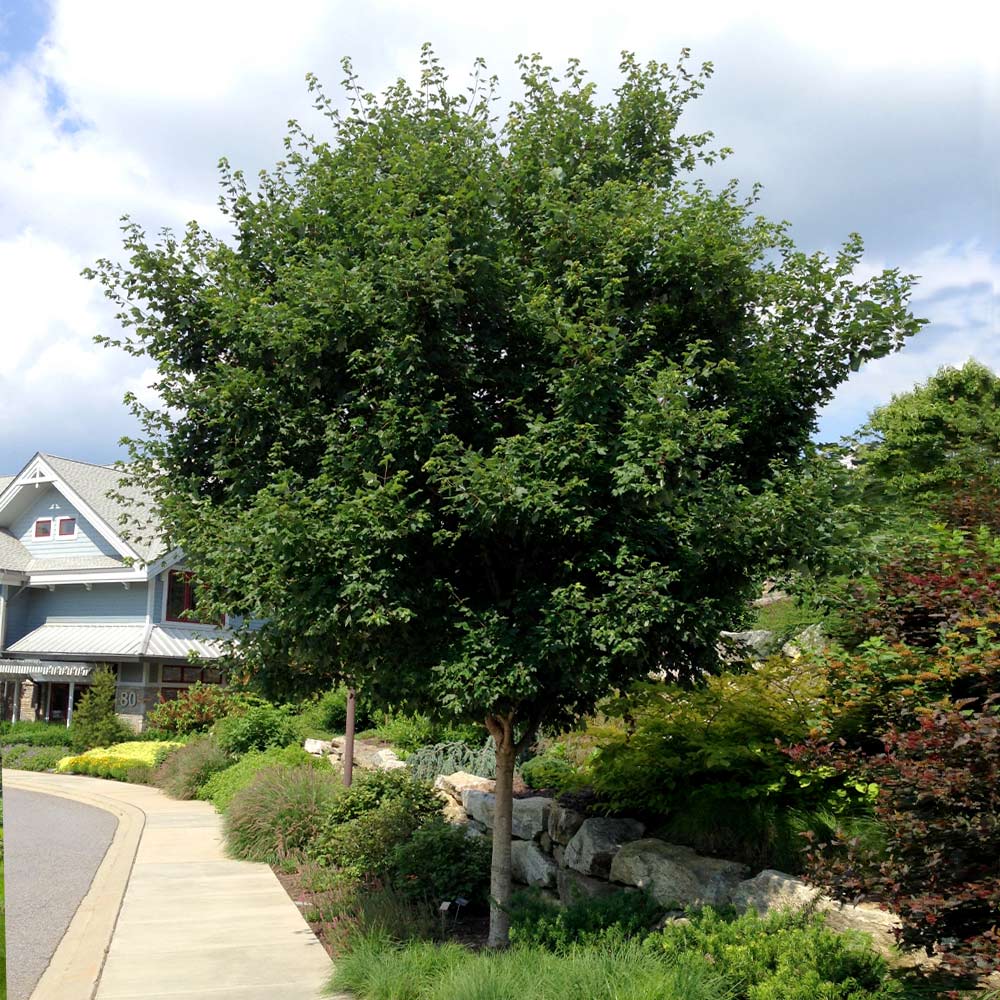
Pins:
x,y
43,538
58,532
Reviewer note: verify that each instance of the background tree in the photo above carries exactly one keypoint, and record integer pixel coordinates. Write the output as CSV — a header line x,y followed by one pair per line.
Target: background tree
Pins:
x,y
938,441
490,419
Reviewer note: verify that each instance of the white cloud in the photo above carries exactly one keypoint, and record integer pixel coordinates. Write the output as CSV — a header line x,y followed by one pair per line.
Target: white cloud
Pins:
x,y
126,107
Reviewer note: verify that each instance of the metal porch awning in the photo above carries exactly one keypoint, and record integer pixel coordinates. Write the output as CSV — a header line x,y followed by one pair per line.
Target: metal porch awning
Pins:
x,y
44,670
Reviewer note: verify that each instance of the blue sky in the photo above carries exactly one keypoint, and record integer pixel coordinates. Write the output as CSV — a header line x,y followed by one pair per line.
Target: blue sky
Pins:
x,y
874,118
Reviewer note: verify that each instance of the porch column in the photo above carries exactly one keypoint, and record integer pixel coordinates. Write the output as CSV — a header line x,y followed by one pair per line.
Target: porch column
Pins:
x,y
15,715
69,707
48,701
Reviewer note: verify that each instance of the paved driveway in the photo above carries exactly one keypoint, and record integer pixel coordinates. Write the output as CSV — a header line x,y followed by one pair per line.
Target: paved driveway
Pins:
x,y
53,847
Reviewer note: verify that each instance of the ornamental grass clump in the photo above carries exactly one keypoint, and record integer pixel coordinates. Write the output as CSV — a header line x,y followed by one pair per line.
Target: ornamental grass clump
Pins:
x,y
186,769
24,757
281,812
222,786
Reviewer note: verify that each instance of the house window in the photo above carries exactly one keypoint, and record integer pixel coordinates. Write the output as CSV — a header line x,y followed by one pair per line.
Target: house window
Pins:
x,y
43,527
181,598
67,527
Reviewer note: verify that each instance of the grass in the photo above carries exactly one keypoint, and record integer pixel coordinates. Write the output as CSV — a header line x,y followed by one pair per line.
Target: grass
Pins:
x,y
375,970
786,617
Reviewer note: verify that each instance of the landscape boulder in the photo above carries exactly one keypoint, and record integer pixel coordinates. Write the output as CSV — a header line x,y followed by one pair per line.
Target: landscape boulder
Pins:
x,y
386,760
454,785
772,891
809,640
675,875
596,843
754,644
563,823
572,887
530,816
318,748
530,865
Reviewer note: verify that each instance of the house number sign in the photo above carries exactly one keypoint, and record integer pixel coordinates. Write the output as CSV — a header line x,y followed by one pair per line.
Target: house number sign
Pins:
x,y
128,699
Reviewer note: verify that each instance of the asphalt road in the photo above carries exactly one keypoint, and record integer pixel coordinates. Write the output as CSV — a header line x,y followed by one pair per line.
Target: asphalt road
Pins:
x,y
53,847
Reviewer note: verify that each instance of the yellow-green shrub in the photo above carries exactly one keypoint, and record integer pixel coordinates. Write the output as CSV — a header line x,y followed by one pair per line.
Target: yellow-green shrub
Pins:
x,y
130,761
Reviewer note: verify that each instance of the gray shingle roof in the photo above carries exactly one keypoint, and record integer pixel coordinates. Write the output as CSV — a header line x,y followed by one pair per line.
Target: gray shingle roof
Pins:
x,y
122,506
5,481
13,555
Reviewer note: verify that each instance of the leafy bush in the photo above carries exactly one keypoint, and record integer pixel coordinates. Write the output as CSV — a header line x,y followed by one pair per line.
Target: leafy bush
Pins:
x,y
281,812
184,771
551,769
222,786
196,710
537,922
327,715
928,585
364,846
34,734
372,788
427,763
95,723
257,728
131,761
939,808
411,732
440,862
24,757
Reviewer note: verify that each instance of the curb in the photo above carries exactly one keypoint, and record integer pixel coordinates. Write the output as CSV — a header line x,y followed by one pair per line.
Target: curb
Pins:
x,y
75,968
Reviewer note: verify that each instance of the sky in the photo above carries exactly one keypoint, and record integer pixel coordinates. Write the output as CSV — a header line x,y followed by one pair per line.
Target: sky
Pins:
x,y
879,118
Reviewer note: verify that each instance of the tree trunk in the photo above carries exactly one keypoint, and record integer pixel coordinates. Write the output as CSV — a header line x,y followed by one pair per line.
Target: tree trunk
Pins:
x,y
500,874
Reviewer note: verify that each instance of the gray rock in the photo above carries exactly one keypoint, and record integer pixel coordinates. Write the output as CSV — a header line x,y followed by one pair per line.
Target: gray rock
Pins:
x,y
479,805
564,822
530,816
572,887
559,853
386,760
598,840
809,640
319,748
530,865
754,644
545,843
772,891
676,876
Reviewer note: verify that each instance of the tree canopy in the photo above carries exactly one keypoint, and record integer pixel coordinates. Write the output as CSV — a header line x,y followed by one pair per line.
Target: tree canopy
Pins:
x,y
490,413
941,437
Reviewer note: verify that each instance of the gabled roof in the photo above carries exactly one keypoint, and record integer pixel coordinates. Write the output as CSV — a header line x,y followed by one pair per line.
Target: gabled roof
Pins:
x,y
101,486
5,481
13,555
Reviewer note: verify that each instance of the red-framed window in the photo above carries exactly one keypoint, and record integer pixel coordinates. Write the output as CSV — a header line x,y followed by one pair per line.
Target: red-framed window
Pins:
x,y
190,675
67,527
182,598
43,527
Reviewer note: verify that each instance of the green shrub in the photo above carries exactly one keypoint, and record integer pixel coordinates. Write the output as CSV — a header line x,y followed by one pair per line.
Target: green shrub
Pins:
x,y
447,758
551,769
410,732
222,786
184,771
95,723
371,788
24,757
784,956
281,812
440,862
196,710
258,728
536,921
34,734
326,715
364,846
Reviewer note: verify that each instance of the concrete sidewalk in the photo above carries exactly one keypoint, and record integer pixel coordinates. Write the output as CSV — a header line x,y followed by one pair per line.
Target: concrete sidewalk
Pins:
x,y
192,924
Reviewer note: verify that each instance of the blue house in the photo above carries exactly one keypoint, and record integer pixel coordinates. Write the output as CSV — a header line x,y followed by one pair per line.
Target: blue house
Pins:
x,y
75,595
